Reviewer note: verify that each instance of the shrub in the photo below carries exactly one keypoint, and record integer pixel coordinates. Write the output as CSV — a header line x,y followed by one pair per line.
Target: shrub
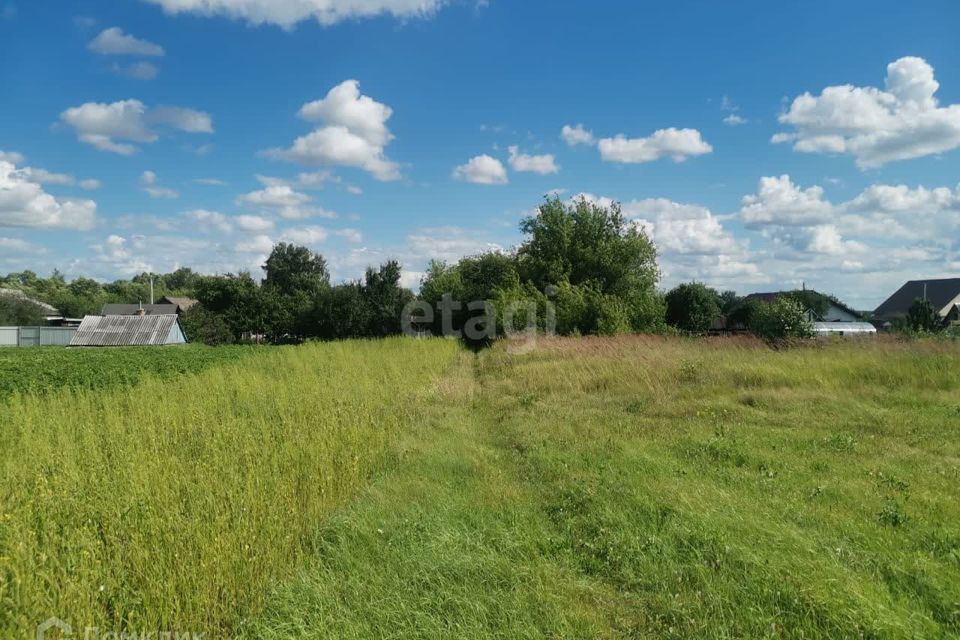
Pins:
x,y
692,307
19,311
781,319
203,326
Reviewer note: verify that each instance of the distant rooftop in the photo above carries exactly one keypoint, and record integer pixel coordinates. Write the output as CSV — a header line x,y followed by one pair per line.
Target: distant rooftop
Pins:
x,y
939,292
133,309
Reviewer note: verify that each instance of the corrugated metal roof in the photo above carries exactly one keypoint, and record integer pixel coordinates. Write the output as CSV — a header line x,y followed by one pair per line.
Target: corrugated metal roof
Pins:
x,y
132,309
124,331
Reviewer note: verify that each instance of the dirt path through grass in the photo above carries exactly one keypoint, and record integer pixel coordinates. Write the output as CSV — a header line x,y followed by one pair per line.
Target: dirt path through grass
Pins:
x,y
686,492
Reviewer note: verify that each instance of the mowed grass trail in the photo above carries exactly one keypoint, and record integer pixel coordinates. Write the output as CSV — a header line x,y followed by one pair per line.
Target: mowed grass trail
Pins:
x,y
655,488
173,505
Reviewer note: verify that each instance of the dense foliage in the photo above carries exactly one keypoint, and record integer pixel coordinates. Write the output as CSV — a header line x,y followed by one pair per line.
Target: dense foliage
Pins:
x,y
18,311
692,307
582,269
781,319
922,317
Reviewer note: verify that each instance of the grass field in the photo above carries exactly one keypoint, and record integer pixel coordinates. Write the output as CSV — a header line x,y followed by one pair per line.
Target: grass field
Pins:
x,y
51,368
614,488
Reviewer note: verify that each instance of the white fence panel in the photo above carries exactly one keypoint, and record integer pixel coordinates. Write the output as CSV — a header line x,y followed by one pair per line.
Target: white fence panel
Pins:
x,y
36,336
9,336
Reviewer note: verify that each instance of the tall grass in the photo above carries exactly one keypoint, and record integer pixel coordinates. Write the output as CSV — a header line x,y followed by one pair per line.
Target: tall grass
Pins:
x,y
174,505
657,488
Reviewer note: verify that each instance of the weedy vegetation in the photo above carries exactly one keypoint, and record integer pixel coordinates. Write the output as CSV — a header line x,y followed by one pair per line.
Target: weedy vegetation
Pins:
x,y
50,368
627,487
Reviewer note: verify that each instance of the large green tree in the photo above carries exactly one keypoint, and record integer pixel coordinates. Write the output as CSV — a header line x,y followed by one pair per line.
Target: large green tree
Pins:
x,y
19,311
292,270
585,242
595,249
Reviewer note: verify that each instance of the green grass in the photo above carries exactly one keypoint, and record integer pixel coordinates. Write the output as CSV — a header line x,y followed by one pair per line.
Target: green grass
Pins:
x,y
43,369
595,488
638,488
173,505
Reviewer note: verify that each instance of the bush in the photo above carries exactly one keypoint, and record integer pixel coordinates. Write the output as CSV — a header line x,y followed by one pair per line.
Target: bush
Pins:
x,y
692,307
781,319
19,311
922,317
203,326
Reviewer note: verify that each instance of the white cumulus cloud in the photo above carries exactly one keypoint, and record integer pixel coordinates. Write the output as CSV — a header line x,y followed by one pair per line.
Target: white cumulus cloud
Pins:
x,y
24,203
876,126
352,132
281,199
542,164
574,135
676,144
482,169
287,13
103,125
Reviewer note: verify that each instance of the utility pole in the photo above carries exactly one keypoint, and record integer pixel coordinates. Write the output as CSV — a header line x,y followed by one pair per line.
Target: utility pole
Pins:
x,y
151,288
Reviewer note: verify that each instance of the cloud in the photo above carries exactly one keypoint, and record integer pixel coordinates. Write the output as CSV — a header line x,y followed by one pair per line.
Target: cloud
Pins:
x,y
149,183
676,144
780,201
543,164
24,203
189,120
137,70
253,223
352,133
733,118
283,200
102,125
576,135
210,220
274,197
16,245
893,231
306,235
482,169
42,176
826,239
210,182
114,41
446,243
876,126
260,244
12,157
287,13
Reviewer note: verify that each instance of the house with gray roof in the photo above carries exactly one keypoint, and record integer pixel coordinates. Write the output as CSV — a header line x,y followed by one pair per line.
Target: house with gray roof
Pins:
x,y
942,293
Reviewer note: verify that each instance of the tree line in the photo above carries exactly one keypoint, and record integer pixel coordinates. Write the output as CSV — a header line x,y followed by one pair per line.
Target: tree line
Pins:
x,y
582,269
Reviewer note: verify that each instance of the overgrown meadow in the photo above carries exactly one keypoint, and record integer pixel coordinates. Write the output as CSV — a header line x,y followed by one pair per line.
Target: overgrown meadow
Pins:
x,y
172,505
629,487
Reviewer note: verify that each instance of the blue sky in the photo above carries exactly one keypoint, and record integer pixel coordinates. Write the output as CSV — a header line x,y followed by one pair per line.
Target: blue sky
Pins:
x,y
152,134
